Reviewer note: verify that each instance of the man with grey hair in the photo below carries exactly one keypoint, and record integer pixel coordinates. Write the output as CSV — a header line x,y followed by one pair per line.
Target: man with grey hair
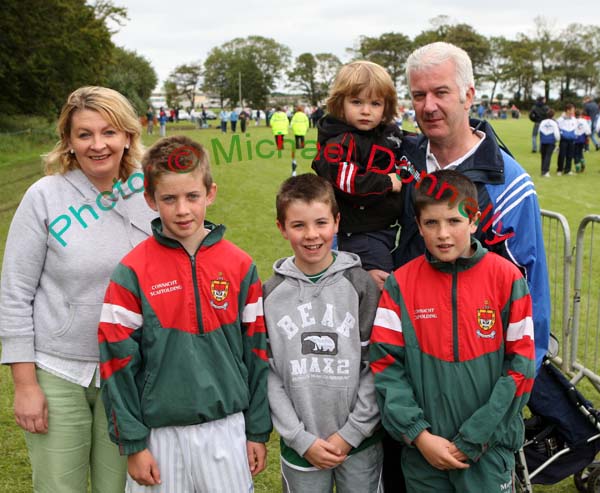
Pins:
x,y
440,79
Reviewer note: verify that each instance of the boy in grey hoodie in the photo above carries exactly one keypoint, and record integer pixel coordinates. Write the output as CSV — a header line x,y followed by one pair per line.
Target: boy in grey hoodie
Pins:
x,y
319,310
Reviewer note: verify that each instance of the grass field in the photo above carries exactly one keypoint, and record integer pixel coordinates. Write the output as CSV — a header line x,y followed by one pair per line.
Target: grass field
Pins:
x,y
245,204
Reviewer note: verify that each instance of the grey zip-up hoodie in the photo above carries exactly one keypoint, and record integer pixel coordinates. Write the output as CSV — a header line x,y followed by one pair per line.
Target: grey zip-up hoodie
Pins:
x,y
64,241
319,380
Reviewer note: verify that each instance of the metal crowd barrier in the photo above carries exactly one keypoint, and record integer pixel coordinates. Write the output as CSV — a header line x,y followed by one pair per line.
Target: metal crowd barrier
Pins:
x,y
557,241
585,340
578,330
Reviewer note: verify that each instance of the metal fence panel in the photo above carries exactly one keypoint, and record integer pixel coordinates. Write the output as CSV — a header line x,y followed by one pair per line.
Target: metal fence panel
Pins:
x,y
585,347
557,241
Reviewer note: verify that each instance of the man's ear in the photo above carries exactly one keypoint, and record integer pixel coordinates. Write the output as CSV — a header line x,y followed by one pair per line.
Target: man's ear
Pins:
x,y
469,96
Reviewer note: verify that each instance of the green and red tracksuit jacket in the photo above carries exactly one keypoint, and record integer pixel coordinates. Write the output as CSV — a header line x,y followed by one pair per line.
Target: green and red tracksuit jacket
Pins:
x,y
182,339
452,351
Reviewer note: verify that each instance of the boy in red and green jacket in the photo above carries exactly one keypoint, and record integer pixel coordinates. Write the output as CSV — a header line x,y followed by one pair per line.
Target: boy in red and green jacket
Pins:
x,y
182,340
452,350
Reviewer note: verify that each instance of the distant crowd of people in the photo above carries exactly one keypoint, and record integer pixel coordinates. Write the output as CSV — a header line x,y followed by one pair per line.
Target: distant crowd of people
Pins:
x,y
243,115
491,111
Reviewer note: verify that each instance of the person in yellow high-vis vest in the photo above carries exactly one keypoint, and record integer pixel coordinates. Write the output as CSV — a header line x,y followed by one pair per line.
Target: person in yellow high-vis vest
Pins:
x,y
279,124
300,126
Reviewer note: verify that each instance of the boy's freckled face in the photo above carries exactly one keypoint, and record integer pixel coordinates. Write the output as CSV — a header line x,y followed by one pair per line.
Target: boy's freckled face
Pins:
x,y
310,228
181,200
446,232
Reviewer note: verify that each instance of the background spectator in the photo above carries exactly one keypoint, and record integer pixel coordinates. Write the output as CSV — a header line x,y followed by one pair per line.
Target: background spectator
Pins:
x,y
300,124
150,120
233,118
243,117
538,113
590,107
224,117
549,136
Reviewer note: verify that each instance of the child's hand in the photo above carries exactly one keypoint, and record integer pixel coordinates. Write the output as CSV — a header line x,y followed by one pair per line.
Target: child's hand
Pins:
x,y
257,457
379,276
396,182
324,455
340,443
142,467
436,450
457,453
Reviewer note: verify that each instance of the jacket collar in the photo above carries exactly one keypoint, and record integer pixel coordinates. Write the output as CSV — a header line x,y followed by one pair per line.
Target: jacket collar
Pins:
x,y
216,233
461,263
486,164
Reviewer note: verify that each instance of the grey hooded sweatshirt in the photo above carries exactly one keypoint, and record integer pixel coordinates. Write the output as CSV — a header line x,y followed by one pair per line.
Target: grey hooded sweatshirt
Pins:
x,y
319,380
64,241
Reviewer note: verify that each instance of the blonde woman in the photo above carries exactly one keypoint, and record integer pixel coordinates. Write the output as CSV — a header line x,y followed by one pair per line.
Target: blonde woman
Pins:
x,y
69,232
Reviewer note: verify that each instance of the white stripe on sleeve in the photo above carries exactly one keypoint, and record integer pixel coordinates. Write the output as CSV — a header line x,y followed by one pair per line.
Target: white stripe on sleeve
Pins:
x,y
349,178
343,176
509,188
514,204
252,311
516,331
388,319
116,314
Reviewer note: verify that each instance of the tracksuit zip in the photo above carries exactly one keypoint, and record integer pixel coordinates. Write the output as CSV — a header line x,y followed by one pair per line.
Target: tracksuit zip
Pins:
x,y
197,296
455,314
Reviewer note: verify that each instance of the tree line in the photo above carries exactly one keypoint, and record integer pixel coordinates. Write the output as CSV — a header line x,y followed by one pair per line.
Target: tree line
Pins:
x,y
561,60
50,47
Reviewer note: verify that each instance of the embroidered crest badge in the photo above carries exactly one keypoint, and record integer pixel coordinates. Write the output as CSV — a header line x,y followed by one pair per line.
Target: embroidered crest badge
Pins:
x,y
486,319
219,289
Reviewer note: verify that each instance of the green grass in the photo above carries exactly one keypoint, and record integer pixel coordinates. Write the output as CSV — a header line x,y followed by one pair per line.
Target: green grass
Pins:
x,y
245,204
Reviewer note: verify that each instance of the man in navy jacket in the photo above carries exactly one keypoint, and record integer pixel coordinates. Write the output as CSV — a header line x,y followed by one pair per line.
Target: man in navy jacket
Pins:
x,y
440,78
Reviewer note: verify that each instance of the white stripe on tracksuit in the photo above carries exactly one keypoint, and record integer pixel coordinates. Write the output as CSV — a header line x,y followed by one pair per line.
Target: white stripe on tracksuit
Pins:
x,y
205,458
347,173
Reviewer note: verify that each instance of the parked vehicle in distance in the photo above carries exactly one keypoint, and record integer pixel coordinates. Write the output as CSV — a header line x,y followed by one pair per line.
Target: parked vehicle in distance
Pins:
x,y
210,115
184,115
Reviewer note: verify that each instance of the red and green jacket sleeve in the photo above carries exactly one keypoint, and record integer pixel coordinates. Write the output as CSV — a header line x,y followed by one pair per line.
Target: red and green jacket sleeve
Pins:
x,y
401,415
257,416
119,337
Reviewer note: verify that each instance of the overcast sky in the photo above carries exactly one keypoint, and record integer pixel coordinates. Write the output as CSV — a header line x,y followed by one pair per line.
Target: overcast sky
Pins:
x,y
172,32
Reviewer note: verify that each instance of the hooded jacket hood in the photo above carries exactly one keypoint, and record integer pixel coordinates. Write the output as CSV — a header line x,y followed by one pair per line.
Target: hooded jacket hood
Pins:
x,y
308,289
